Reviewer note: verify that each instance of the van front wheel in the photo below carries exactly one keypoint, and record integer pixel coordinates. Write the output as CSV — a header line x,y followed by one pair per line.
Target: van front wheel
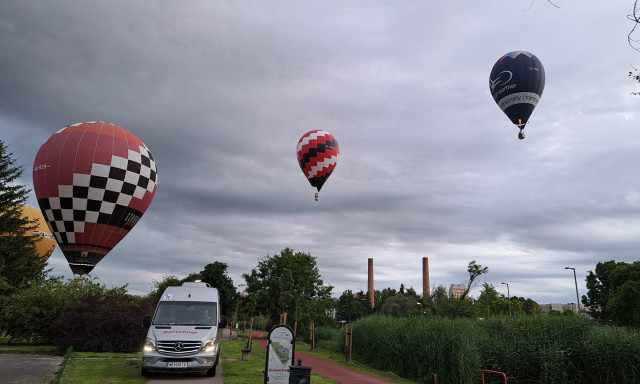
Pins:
x,y
212,371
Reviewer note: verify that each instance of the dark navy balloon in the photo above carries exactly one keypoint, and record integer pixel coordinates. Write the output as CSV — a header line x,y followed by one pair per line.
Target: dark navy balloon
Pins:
x,y
516,83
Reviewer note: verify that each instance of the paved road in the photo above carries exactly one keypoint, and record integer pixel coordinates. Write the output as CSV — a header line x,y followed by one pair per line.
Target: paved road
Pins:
x,y
28,369
41,369
325,368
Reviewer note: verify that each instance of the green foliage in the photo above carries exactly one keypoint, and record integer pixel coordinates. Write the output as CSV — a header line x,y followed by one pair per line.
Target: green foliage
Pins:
x,y
614,292
28,314
352,306
400,305
160,286
492,303
419,347
20,264
215,274
475,270
286,282
529,349
103,322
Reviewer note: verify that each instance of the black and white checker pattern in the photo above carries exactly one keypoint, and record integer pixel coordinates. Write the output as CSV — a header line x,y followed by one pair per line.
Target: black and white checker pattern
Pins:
x,y
102,197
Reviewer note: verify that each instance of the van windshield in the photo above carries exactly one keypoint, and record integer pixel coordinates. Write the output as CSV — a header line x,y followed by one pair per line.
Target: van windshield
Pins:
x,y
185,313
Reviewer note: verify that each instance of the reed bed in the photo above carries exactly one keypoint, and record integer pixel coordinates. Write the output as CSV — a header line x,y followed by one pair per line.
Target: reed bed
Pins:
x,y
542,349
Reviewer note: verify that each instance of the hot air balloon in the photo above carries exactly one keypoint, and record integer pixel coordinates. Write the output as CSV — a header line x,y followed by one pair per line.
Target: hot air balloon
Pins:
x,y
45,242
93,182
516,83
318,153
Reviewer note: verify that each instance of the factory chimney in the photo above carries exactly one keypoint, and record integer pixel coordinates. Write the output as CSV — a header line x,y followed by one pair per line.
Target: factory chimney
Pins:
x,y
426,287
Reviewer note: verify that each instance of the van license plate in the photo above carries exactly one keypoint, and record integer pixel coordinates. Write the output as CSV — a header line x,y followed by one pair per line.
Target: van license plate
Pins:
x,y
180,364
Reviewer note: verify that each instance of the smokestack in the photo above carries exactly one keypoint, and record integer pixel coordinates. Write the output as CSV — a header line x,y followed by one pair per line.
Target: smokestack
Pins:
x,y
426,287
370,285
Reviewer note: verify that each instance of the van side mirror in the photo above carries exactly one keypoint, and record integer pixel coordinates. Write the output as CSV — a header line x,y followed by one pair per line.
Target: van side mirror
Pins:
x,y
146,322
223,322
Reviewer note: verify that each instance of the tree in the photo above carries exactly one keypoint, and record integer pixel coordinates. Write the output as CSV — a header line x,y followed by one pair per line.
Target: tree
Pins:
x,y
349,307
599,287
623,306
401,305
215,274
491,302
268,292
160,286
475,270
614,292
20,264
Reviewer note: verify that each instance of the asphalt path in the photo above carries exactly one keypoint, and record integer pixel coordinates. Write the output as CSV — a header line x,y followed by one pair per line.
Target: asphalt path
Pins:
x,y
28,369
41,369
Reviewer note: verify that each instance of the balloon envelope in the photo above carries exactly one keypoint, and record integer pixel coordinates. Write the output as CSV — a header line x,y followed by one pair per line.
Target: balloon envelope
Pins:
x,y
93,182
318,154
516,83
44,242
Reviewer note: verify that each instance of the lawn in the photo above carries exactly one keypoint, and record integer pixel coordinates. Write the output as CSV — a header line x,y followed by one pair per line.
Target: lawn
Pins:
x,y
236,371
89,368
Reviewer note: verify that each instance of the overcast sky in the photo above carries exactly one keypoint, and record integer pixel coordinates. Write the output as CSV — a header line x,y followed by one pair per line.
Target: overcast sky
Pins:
x,y
221,92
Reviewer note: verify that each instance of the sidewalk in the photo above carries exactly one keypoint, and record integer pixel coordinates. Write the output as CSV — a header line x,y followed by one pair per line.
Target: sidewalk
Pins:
x,y
28,369
325,368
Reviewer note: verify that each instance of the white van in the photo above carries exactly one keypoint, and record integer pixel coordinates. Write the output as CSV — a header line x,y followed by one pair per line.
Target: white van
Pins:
x,y
184,335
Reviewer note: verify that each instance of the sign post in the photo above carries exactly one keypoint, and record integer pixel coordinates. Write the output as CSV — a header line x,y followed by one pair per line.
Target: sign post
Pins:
x,y
280,354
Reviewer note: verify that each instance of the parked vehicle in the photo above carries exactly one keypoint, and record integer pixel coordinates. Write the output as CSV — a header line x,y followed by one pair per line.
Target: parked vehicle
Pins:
x,y
184,335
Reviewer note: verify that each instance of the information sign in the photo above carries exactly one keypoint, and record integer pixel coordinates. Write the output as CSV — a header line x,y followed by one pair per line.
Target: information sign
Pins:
x,y
280,354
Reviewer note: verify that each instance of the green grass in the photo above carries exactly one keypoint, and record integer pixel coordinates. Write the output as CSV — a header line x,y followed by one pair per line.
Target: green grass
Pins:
x,y
90,368
340,359
28,348
7,346
236,371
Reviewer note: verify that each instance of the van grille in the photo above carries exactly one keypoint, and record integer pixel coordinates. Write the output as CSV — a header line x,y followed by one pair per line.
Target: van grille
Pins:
x,y
178,348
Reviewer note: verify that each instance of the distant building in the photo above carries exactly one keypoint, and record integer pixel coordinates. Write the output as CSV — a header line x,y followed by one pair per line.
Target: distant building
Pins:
x,y
457,290
546,308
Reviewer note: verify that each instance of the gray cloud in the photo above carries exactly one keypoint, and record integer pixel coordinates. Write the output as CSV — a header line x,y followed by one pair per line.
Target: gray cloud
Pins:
x,y
430,167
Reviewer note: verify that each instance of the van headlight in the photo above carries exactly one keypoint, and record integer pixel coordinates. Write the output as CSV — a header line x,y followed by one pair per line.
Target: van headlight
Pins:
x,y
208,345
149,345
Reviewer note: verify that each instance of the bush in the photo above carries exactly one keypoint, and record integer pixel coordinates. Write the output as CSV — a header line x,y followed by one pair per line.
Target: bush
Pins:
x,y
103,323
28,315
330,338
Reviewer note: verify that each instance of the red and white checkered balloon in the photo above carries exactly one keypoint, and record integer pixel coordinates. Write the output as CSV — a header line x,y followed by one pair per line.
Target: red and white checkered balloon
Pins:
x,y
318,154
93,182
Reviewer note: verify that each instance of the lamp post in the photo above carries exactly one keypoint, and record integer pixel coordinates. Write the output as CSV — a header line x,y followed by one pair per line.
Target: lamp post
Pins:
x,y
508,297
576,281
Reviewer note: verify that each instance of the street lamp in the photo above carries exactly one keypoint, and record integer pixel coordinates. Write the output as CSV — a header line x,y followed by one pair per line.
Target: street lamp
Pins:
x,y
508,297
576,281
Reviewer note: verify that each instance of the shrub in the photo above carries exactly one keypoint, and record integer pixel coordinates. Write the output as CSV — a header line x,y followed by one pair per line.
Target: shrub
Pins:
x,y
103,323
28,314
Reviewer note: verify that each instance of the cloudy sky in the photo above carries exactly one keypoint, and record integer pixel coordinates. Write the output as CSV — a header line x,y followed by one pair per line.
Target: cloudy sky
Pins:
x,y
221,91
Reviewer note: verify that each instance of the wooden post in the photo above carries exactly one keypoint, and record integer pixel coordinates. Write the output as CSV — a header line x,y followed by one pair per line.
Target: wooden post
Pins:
x,y
249,345
350,342
312,335
346,342
295,328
